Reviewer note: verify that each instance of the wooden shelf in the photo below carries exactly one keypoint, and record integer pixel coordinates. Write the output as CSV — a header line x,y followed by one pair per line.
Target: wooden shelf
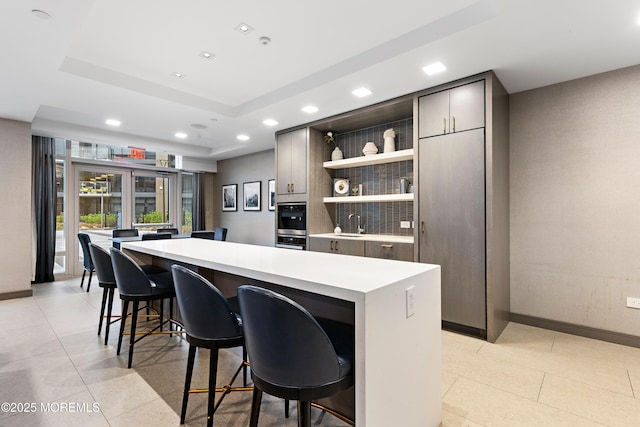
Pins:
x,y
407,197
374,159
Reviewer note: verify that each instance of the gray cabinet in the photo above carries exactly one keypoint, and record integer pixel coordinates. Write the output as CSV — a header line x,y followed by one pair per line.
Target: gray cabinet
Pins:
x,y
452,110
291,162
337,246
462,209
452,222
389,250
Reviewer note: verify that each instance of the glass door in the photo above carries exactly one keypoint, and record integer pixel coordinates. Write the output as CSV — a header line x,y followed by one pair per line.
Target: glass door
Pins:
x,y
153,201
101,205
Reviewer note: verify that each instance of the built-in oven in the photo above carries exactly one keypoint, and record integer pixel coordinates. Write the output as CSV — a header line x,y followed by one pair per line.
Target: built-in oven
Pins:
x,y
292,225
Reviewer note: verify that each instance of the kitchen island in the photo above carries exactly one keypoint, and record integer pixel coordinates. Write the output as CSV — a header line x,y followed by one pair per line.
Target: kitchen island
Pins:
x,y
393,305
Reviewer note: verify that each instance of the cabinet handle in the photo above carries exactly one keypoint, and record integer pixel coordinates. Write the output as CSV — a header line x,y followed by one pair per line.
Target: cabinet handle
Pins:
x,y
453,123
292,190
288,188
444,125
387,245
331,245
422,226
337,245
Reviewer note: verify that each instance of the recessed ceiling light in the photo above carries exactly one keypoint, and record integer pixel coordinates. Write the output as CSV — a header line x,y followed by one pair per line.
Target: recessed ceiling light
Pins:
x,y
435,68
363,91
40,14
270,122
206,55
242,137
244,28
181,135
113,122
310,109
178,75
198,126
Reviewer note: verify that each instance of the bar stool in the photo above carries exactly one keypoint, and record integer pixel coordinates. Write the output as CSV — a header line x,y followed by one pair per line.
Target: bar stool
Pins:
x,y
291,355
167,230
210,322
106,280
203,234
220,234
85,240
134,286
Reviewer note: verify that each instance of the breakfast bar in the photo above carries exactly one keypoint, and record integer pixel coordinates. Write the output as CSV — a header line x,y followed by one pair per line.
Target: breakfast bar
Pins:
x,y
394,307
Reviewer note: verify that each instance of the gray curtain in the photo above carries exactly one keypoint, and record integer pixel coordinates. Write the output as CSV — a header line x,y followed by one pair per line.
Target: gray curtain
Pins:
x,y
198,214
44,204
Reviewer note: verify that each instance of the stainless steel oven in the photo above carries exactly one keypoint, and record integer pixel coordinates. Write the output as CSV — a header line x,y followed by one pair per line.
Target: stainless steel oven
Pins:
x,y
292,225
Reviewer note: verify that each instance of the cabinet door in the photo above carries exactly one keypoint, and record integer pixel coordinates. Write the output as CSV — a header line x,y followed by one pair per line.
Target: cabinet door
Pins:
x,y
389,250
319,244
433,114
298,169
452,222
283,163
466,107
349,247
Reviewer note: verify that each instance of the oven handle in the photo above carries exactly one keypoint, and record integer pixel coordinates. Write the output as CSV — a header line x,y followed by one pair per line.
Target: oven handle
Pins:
x,y
281,245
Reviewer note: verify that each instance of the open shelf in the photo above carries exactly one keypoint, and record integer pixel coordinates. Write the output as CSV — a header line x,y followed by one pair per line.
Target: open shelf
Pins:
x,y
374,159
407,197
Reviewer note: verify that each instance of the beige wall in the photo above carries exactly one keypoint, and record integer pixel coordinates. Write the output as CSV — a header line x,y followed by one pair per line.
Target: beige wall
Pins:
x,y
575,201
15,220
252,227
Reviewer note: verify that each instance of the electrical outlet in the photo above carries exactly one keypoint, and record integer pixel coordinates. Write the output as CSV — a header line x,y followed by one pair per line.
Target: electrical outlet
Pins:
x,y
405,224
411,309
633,302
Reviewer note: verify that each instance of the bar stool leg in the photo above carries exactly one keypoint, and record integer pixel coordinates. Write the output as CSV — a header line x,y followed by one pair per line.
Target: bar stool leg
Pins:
x,y
213,373
105,290
109,308
123,321
187,381
132,338
304,414
255,406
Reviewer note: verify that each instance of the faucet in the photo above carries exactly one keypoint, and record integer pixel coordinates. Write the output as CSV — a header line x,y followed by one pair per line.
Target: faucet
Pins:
x,y
360,229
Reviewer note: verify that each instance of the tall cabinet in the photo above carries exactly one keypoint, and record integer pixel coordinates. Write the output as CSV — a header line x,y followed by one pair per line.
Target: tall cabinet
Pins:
x,y
463,200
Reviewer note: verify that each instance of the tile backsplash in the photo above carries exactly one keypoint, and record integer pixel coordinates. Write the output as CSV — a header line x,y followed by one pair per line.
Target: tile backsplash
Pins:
x,y
377,218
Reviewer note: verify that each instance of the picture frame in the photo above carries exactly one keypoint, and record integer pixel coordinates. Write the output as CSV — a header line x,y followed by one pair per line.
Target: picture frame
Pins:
x,y
251,195
341,187
272,194
230,197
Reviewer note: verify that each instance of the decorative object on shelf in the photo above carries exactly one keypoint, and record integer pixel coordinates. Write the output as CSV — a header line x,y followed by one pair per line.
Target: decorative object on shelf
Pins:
x,y
404,185
251,193
337,230
355,190
340,187
229,199
370,149
272,194
389,140
336,154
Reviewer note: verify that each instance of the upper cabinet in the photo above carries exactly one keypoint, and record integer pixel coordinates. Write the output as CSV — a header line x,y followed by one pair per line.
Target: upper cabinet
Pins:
x,y
452,110
291,153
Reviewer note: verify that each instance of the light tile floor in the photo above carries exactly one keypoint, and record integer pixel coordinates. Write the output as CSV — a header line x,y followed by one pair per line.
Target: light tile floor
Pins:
x,y
50,354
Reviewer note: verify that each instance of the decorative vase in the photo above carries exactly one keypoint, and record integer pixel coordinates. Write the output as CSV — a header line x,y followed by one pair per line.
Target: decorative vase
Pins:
x,y
389,140
369,149
336,154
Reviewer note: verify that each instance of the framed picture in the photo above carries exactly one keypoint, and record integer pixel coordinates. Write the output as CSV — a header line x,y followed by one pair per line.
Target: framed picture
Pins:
x,y
340,187
251,193
229,197
272,194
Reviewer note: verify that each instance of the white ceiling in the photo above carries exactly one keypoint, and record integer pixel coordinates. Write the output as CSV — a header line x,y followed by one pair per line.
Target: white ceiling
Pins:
x,y
99,59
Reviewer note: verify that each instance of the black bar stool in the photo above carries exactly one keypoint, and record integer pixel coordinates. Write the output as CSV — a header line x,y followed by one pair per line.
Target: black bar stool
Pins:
x,y
291,355
87,263
210,322
106,280
134,286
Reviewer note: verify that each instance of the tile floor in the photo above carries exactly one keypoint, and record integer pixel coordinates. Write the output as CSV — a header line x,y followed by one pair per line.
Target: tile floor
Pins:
x,y
50,354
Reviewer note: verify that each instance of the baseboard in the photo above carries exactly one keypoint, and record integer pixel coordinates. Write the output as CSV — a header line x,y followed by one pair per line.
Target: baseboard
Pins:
x,y
465,330
583,331
16,294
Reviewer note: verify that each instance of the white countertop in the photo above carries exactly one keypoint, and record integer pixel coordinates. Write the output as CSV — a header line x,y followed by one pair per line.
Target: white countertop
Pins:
x,y
366,237
340,276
